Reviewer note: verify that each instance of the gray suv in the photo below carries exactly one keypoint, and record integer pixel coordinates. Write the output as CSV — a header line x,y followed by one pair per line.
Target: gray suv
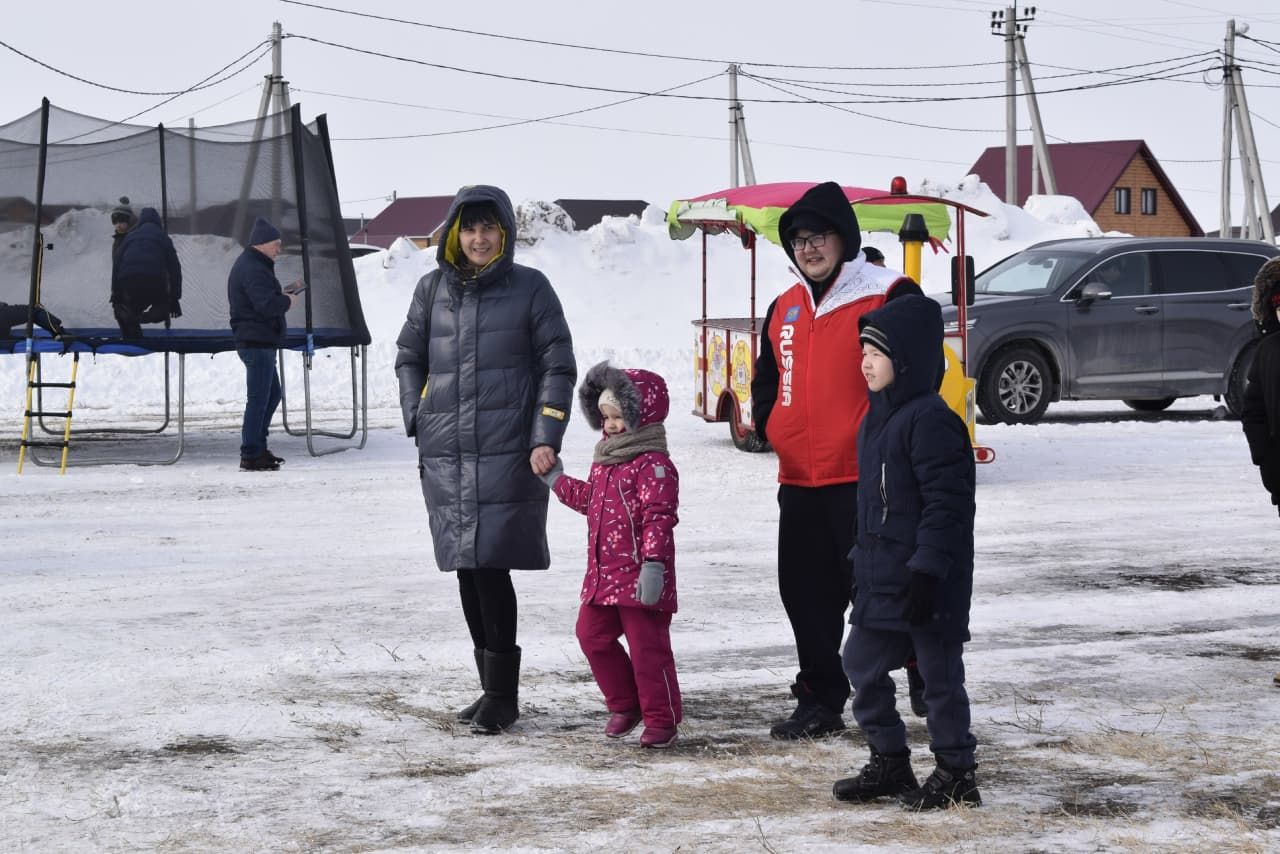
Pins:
x,y
1143,320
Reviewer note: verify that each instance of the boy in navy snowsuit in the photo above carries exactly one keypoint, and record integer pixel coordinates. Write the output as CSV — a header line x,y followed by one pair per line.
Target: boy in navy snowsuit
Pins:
x,y
912,562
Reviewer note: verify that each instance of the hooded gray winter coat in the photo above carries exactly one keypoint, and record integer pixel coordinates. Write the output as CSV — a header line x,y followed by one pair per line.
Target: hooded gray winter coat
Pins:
x,y
491,379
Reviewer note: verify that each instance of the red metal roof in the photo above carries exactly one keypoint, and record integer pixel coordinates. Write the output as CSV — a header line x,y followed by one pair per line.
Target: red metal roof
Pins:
x,y
408,216
1086,170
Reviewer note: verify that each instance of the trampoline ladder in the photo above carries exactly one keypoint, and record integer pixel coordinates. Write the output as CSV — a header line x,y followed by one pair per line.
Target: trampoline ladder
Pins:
x,y
34,382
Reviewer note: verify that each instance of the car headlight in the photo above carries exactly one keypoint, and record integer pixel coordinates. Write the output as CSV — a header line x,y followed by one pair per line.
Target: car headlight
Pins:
x,y
951,327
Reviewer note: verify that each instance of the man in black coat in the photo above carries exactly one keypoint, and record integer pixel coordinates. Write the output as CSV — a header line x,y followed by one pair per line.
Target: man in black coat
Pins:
x,y
146,276
258,309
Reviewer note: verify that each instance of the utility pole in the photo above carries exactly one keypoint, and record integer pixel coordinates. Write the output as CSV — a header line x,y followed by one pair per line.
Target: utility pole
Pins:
x,y
1257,212
1009,26
1040,149
275,90
738,144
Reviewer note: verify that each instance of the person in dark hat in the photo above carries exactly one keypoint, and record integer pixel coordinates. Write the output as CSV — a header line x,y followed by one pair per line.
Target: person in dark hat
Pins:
x,y
874,255
913,564
146,278
808,398
122,219
258,309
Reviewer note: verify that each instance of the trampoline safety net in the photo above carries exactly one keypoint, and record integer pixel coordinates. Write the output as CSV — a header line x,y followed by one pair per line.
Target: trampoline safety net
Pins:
x,y
208,185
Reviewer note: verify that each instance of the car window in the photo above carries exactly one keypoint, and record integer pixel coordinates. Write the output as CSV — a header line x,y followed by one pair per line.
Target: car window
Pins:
x,y
1126,275
1036,271
1244,268
1190,272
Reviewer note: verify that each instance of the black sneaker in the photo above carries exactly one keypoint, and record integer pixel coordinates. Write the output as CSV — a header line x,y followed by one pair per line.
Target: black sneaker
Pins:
x,y
278,460
883,776
945,787
262,462
809,720
915,689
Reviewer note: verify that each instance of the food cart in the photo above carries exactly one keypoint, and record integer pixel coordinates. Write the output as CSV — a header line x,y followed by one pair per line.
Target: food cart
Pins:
x,y
725,348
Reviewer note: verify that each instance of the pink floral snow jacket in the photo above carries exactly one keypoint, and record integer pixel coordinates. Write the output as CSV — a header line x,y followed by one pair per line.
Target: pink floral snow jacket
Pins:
x,y
630,506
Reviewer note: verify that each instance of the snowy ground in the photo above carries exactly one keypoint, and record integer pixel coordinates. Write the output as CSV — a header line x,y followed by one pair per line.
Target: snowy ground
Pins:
x,y
198,659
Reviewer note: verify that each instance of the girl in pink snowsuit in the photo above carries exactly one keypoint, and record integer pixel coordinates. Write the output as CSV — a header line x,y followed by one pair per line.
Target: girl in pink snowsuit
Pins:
x,y
630,501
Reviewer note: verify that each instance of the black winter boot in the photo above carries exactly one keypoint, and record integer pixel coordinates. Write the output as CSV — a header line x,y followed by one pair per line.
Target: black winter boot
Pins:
x,y
884,775
946,786
810,719
915,689
469,712
497,710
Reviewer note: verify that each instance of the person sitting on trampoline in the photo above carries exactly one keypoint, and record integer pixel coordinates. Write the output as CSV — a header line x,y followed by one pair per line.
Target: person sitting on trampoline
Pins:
x,y
15,314
122,219
146,277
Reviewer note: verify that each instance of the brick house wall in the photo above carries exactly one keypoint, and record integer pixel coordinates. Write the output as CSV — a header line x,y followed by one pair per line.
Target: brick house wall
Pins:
x,y
1167,221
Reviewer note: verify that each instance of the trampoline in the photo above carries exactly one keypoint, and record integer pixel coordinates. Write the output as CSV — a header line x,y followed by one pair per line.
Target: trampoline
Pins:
x,y
61,174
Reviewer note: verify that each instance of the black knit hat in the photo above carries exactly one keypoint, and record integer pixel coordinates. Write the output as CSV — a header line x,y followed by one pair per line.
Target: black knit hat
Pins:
x,y
122,212
876,337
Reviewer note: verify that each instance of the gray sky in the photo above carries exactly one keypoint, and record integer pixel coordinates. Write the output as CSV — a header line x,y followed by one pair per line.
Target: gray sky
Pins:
x,y
661,148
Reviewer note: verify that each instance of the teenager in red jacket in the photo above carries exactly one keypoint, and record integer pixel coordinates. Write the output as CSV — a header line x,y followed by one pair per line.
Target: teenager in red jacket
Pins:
x,y
808,400
630,500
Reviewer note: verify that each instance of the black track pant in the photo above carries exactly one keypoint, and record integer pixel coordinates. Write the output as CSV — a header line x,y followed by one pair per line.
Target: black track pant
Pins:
x,y
815,534
489,604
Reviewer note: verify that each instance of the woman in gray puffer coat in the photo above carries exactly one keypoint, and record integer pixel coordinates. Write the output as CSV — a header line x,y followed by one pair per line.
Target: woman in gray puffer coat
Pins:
x,y
486,373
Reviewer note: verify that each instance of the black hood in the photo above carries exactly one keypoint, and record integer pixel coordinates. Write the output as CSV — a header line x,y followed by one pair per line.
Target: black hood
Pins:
x,y
827,202
449,255
912,325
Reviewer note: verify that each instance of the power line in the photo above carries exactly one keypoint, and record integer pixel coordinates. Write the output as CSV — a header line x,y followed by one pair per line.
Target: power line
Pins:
x,y
632,131
199,84
519,122
616,51
1070,72
799,99
110,88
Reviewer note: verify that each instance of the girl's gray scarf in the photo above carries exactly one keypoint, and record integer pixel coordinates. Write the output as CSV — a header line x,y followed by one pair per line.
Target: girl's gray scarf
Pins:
x,y
627,446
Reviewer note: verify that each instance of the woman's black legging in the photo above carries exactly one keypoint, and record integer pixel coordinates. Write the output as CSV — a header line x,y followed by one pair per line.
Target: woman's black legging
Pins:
x,y
489,604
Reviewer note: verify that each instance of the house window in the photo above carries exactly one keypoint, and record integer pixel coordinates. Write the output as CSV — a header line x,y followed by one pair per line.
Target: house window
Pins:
x,y
1122,200
1148,201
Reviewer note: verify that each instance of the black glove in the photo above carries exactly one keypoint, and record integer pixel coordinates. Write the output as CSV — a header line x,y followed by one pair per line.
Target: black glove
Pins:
x,y
175,309
922,599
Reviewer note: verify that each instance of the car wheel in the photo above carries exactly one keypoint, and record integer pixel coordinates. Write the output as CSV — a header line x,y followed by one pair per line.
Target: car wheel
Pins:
x,y
1159,405
1237,382
1015,387
744,437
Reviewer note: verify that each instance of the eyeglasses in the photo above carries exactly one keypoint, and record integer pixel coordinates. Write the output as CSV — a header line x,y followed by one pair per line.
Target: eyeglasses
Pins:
x,y
813,240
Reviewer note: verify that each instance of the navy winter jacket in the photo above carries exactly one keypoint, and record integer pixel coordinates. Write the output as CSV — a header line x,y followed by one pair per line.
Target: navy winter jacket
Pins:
x,y
258,306
146,252
916,493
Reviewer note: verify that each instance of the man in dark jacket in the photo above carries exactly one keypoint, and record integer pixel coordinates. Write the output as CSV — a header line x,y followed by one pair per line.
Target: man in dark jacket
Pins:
x,y
807,401
913,562
258,309
146,277
486,374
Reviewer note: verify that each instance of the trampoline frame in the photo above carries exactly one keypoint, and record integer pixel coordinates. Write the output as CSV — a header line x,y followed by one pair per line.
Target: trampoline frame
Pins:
x,y
359,416
359,389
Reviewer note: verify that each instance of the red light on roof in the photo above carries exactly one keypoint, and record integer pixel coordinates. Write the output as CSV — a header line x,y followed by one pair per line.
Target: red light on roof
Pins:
x,y
898,186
